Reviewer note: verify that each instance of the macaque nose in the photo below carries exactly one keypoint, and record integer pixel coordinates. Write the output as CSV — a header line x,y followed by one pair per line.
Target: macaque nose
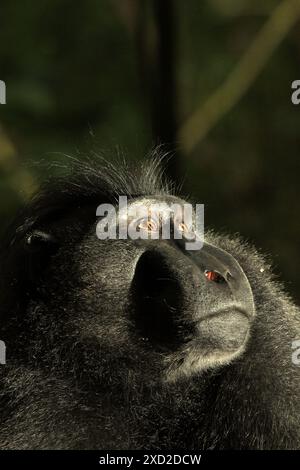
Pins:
x,y
219,266
167,286
157,298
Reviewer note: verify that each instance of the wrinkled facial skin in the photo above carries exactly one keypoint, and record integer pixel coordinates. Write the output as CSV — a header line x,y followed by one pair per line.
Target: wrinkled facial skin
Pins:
x,y
152,304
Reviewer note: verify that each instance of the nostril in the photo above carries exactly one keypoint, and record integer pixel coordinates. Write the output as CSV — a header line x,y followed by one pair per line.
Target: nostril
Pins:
x,y
214,276
156,300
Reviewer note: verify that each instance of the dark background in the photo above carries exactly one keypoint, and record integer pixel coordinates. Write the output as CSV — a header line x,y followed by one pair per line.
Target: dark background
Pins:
x,y
118,75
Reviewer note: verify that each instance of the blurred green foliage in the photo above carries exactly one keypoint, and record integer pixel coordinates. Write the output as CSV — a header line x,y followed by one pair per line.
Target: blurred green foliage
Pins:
x,y
73,84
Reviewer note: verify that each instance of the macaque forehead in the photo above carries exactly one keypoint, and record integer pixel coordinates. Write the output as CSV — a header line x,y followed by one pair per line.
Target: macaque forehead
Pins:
x,y
159,216
155,207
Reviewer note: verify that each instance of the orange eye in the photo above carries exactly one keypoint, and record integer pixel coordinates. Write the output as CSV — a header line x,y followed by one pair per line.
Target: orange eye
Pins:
x,y
150,225
213,276
182,227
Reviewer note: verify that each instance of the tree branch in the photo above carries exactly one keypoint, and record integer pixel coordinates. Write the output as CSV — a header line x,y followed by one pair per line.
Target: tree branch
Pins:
x,y
199,124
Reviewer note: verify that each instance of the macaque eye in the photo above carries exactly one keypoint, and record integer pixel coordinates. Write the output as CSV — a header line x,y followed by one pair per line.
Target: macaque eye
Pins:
x,y
214,276
182,227
148,224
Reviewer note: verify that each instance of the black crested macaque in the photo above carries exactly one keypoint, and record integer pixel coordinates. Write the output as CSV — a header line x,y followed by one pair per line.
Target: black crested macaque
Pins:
x,y
139,343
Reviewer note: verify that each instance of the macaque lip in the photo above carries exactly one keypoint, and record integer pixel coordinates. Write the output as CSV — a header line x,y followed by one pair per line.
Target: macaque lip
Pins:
x,y
224,311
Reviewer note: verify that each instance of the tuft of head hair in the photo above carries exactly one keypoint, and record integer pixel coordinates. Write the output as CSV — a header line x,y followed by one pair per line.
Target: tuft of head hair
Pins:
x,y
90,181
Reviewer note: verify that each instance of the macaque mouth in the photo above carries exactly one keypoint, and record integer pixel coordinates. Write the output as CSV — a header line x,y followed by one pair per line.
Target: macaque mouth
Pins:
x,y
230,309
157,303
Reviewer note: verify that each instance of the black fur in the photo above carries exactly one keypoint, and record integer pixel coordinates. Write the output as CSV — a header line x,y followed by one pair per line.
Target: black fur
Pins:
x,y
80,375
